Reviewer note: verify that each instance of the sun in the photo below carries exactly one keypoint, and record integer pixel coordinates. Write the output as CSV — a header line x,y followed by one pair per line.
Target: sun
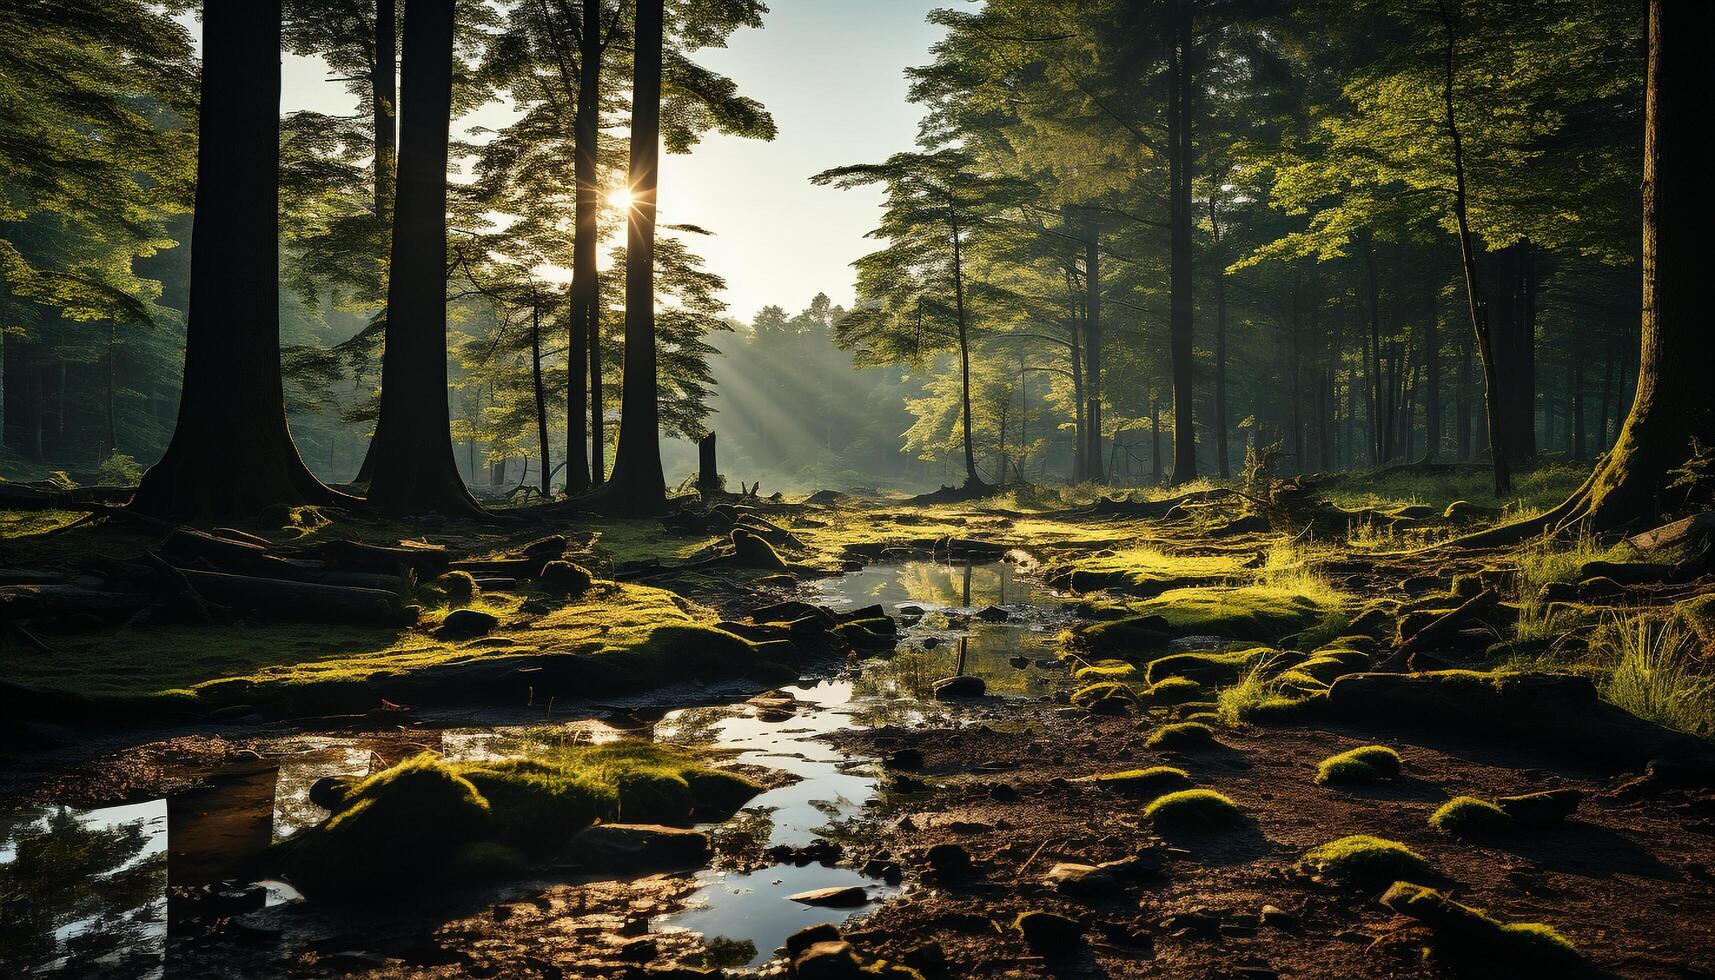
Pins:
x,y
619,198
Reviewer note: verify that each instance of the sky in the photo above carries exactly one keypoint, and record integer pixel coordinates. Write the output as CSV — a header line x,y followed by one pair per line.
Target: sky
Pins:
x,y
832,73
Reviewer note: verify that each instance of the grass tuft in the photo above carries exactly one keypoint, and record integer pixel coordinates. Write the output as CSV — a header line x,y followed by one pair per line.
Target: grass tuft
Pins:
x,y
1193,809
1364,764
1370,861
1468,816
1181,735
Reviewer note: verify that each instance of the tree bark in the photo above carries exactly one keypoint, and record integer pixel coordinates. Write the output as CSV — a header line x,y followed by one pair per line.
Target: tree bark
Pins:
x,y
583,312
384,99
1093,346
1222,462
1180,312
1432,380
541,395
971,478
231,453
638,486
411,458
1473,286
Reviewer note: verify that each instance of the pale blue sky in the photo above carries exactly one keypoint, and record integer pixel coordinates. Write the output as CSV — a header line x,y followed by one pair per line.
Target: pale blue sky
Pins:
x,y
832,72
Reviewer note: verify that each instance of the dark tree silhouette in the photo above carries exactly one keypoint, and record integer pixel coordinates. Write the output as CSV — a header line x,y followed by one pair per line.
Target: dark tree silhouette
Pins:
x,y
231,452
411,458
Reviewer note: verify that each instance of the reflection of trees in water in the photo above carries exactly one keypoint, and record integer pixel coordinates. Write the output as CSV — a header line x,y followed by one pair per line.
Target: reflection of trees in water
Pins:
x,y
694,726
67,873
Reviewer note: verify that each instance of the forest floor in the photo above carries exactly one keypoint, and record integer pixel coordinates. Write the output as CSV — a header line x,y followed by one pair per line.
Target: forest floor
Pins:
x,y
1238,641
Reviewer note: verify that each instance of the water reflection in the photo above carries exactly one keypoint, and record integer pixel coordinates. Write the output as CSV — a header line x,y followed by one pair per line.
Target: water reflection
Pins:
x,y
84,893
961,586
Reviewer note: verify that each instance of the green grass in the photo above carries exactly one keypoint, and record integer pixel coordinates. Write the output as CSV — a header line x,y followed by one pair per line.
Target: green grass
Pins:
x,y
1175,690
1140,570
1468,816
1251,612
1193,809
1370,861
1653,672
1140,782
1364,764
1264,692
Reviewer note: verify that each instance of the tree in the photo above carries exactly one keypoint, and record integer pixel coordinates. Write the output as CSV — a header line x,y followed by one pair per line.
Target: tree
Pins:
x,y
411,455
638,486
1671,413
914,293
231,453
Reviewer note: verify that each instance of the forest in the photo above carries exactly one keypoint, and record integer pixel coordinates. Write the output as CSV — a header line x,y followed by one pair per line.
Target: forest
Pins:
x,y
1246,509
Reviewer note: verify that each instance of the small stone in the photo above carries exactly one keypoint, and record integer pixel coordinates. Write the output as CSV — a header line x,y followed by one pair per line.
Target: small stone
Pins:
x,y
840,897
1278,918
822,932
640,949
638,847
959,688
905,759
929,958
1541,809
565,578
948,859
888,871
1003,793
1081,880
827,961
1048,932
330,792
994,614
468,622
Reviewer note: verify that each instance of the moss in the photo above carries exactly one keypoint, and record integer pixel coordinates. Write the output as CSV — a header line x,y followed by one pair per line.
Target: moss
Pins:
x,y
1140,782
1181,735
1139,571
1175,690
1253,612
1370,861
1106,670
1468,816
1106,697
1364,764
1331,662
454,588
1482,943
399,828
1120,636
1208,668
1193,808
411,823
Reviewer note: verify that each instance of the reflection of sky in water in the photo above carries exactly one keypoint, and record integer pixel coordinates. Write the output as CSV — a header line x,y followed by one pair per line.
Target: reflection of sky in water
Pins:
x,y
932,585
113,910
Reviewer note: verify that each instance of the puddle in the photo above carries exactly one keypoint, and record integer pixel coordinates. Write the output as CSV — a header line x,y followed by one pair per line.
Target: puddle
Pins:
x,y
99,882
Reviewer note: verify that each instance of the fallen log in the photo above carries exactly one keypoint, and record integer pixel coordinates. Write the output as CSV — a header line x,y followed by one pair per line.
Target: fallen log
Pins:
x,y
1439,629
360,556
40,601
305,602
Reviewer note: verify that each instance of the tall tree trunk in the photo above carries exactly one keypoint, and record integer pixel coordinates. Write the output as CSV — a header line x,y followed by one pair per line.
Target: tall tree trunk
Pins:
x,y
1462,421
637,485
1602,414
1432,379
1079,445
384,100
1223,465
1373,348
971,478
598,400
413,469
112,445
583,309
1576,382
231,454
1093,347
541,396
1468,257
1180,313
1296,395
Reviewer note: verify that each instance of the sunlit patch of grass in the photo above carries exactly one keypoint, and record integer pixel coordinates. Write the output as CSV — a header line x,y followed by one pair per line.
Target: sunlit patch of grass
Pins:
x,y
1363,764
1549,560
1193,809
1263,690
1654,673
1468,816
1365,860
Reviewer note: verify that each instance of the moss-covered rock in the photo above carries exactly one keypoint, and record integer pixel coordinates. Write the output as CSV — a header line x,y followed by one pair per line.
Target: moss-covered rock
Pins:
x,y
1181,735
1175,690
1118,637
1253,612
1364,764
1106,670
1193,809
1222,667
565,578
1483,945
1152,781
1106,698
1468,816
1368,861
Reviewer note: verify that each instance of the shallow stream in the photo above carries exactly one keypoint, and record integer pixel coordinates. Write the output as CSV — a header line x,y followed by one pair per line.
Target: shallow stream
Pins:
x,y
103,885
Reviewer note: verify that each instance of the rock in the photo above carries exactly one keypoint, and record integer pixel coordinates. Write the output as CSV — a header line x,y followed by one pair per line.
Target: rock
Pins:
x,y
948,859
752,551
1541,809
1081,881
994,614
822,932
330,792
929,958
1048,932
888,871
1557,712
959,688
1278,918
827,961
1137,867
905,759
565,578
837,897
619,847
468,622
638,949
1003,793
